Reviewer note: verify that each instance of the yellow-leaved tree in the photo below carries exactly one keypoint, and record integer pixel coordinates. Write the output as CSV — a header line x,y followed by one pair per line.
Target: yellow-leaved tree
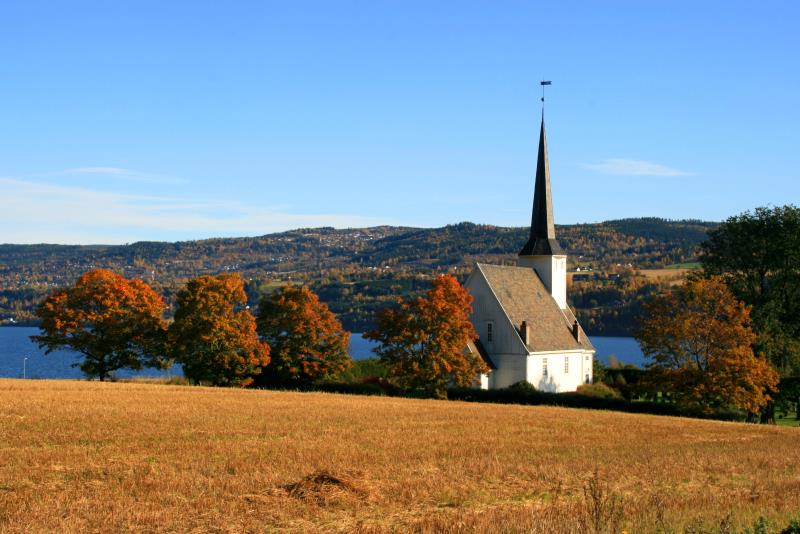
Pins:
x,y
423,341
307,341
115,323
214,335
700,342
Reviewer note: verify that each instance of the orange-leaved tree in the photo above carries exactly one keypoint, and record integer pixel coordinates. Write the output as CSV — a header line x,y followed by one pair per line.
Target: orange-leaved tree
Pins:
x,y
423,341
307,342
214,335
700,341
115,323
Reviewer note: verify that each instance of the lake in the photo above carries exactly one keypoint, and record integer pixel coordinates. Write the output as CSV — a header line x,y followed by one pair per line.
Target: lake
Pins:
x,y
16,346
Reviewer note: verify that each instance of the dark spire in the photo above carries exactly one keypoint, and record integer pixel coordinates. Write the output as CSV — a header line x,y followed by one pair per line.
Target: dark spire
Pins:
x,y
542,241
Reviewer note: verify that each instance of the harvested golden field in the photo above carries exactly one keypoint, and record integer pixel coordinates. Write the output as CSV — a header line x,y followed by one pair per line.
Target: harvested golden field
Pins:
x,y
676,275
124,457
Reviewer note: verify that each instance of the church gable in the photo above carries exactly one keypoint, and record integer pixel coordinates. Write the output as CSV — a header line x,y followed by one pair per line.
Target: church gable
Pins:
x,y
523,297
496,332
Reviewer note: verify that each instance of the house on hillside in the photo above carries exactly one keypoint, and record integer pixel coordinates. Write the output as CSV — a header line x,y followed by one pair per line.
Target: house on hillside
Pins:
x,y
527,331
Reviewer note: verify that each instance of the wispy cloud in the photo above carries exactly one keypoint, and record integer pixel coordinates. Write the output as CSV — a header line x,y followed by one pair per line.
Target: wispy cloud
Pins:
x,y
96,170
633,167
46,212
119,173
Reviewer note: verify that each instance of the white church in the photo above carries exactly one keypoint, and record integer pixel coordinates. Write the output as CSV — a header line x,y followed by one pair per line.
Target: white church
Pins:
x,y
527,331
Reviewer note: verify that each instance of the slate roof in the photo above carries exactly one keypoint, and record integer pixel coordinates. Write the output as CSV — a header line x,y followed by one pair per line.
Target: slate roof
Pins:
x,y
542,240
524,297
477,346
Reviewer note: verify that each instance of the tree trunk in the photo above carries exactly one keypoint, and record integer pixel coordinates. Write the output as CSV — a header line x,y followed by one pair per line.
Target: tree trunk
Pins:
x,y
768,414
103,373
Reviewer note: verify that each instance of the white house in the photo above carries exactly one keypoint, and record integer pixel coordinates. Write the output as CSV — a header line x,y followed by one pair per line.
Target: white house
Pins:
x,y
527,331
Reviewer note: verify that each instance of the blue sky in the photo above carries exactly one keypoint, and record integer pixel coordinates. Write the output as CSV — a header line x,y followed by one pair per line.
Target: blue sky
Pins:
x,y
136,120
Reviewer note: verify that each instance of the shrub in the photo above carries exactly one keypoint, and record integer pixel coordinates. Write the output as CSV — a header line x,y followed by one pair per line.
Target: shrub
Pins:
x,y
523,386
578,400
599,390
793,528
383,383
362,370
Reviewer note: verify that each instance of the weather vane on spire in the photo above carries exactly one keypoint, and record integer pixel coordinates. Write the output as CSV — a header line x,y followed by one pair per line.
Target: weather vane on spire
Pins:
x,y
543,83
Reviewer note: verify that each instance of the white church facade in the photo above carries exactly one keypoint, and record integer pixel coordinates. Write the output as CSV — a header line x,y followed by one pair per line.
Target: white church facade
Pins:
x,y
526,330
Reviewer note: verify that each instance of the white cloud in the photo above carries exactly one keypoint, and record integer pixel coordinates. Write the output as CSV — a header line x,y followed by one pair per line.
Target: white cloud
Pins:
x,y
96,170
632,167
37,212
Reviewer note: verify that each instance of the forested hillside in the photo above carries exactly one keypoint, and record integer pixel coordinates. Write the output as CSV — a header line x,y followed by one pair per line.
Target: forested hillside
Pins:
x,y
356,271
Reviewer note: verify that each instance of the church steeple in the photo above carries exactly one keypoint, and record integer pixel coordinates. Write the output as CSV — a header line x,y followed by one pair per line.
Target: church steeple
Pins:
x,y
542,252
542,240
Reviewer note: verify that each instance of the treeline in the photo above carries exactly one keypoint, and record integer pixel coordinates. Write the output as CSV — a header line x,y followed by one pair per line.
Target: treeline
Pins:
x,y
292,340
725,337
117,323
356,271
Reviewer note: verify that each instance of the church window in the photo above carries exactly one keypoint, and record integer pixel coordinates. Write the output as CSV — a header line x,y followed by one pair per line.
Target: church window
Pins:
x,y
586,380
544,367
566,365
489,332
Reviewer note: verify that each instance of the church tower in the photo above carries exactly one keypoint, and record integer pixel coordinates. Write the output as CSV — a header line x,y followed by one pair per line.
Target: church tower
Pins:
x,y
542,252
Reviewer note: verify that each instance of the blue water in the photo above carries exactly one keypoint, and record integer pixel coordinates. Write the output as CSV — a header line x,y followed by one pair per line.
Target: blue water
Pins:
x,y
16,346
19,354
624,349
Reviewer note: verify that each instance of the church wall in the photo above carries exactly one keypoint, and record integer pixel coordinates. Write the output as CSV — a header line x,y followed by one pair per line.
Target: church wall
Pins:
x,y
559,378
485,309
552,270
483,380
511,368
587,361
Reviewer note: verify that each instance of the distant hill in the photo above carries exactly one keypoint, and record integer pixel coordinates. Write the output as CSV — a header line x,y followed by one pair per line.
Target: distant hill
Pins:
x,y
355,270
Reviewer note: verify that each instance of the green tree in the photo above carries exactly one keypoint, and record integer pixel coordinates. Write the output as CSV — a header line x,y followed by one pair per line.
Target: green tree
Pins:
x,y
758,255
788,396
599,371
699,340
214,335
308,343
114,322
423,341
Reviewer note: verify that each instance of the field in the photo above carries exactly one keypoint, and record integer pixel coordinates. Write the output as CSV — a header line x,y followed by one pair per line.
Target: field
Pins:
x,y
687,266
126,457
672,273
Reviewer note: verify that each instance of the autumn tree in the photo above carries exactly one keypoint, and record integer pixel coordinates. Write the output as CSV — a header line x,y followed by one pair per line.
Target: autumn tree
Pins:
x,y
214,335
115,323
757,254
307,341
422,341
700,342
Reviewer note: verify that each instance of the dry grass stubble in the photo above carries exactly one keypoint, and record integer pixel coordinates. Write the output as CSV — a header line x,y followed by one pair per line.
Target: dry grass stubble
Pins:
x,y
93,457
